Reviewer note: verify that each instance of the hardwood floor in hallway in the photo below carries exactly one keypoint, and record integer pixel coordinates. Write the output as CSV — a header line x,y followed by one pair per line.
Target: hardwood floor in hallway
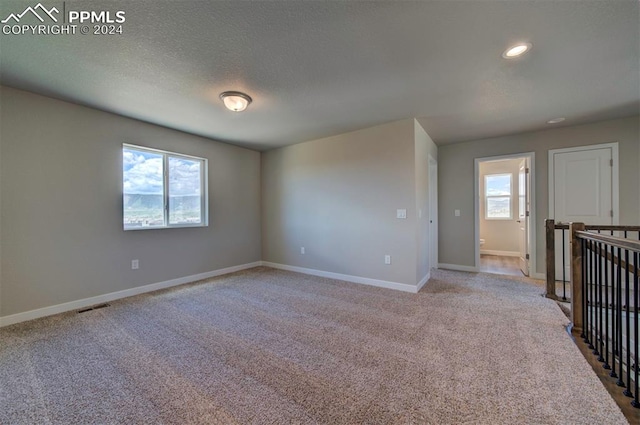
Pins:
x,y
500,265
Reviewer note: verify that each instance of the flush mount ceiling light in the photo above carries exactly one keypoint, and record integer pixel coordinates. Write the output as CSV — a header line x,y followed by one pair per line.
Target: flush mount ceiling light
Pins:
x,y
555,120
517,50
235,101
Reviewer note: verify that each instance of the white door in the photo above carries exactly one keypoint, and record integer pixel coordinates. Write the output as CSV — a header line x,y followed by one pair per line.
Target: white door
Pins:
x,y
523,215
582,192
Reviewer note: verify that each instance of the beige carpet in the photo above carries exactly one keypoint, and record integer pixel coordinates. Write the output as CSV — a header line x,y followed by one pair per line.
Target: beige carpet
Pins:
x,y
271,347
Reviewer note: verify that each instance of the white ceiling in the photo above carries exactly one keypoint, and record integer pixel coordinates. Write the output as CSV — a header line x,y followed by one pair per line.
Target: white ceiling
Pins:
x,y
317,69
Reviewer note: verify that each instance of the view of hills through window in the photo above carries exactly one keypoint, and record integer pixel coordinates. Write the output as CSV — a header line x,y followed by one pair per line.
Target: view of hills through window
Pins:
x,y
152,180
498,196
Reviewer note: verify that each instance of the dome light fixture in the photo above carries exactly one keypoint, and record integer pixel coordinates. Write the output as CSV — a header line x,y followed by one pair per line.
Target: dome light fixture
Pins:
x,y
556,120
517,50
235,101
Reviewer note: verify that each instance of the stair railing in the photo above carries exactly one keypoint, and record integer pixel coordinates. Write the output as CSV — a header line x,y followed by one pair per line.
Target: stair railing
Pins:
x,y
604,301
558,284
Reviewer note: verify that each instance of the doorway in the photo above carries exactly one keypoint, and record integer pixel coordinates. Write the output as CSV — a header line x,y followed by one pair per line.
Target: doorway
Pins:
x,y
504,214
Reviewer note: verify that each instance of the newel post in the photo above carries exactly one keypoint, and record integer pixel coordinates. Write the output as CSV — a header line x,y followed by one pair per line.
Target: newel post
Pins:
x,y
577,303
550,226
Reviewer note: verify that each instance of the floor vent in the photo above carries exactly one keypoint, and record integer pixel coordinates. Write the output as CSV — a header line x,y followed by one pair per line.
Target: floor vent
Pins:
x,y
95,307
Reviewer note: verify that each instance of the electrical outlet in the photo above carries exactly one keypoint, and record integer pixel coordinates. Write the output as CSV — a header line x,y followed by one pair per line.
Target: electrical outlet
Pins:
x,y
456,213
135,264
302,250
387,259
401,213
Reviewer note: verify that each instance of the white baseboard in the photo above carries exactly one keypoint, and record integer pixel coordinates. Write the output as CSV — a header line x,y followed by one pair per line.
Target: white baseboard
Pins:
x,y
87,302
457,267
541,276
424,280
501,253
349,278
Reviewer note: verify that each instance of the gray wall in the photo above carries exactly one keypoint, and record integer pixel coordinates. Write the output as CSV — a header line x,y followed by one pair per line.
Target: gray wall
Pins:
x,y
61,236
338,197
1,236
456,180
61,187
500,235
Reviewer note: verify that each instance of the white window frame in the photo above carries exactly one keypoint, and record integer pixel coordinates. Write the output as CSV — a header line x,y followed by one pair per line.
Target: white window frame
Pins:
x,y
204,188
487,197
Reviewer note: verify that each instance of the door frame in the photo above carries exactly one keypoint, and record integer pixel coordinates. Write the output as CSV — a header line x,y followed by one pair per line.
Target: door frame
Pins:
x,y
524,186
433,212
615,183
532,208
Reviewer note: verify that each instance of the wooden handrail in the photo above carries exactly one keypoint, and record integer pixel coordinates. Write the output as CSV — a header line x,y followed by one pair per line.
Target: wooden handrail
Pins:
x,y
614,227
605,227
629,244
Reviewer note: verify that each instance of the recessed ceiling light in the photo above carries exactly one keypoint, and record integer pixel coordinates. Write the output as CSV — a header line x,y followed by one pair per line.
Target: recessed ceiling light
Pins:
x,y
556,120
517,50
235,101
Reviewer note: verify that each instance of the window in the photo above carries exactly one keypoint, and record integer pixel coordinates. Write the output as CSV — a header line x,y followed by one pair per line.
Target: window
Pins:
x,y
162,189
497,193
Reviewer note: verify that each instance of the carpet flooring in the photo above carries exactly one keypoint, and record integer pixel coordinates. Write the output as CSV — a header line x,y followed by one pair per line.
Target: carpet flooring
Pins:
x,y
265,346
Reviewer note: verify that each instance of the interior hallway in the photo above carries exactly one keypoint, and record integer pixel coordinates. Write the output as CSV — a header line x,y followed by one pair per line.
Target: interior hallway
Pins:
x,y
500,265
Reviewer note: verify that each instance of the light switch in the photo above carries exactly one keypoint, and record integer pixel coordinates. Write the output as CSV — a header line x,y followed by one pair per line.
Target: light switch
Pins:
x,y
401,213
457,213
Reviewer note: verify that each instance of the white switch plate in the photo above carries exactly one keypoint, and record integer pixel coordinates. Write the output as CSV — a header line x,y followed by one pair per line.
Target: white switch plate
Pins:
x,y
387,259
420,213
401,213
457,213
135,264
302,250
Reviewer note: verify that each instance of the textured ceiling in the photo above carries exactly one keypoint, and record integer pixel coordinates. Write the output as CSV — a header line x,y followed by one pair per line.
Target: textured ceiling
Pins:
x,y
317,69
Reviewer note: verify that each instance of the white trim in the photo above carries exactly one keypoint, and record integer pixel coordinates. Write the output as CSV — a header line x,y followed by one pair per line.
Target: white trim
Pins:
x,y
539,276
349,278
424,280
86,302
433,226
501,253
531,156
615,182
476,213
458,267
